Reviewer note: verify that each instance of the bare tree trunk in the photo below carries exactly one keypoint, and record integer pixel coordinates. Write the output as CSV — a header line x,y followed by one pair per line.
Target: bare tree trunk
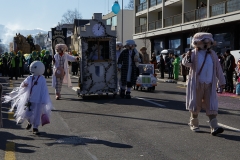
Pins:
x,y
1,124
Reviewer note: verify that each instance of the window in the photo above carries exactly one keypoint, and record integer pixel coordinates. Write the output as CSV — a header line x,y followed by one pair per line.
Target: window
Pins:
x,y
159,15
114,21
98,50
224,41
109,22
158,46
142,21
175,44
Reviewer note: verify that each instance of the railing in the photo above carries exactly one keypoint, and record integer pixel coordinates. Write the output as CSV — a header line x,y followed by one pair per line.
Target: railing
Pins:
x,y
174,20
155,2
141,28
155,25
196,14
224,7
142,6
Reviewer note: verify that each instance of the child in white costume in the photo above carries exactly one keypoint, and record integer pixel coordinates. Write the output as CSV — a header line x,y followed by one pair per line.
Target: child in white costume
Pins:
x,y
32,98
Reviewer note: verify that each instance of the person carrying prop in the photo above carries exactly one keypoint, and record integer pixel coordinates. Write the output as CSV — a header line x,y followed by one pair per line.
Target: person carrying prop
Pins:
x,y
237,79
47,61
60,68
205,69
32,99
128,62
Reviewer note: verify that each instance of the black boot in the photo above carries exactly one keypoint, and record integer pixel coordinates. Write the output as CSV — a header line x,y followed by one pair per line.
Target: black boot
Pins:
x,y
128,96
122,93
35,131
29,126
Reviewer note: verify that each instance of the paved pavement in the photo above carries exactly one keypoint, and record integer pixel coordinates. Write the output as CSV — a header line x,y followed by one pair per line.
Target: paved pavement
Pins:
x,y
151,125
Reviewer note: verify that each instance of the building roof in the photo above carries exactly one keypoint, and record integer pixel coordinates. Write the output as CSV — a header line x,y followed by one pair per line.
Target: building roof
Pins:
x,y
80,22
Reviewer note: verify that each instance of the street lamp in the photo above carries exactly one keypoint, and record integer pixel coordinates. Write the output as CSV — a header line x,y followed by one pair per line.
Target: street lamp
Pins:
x,y
115,10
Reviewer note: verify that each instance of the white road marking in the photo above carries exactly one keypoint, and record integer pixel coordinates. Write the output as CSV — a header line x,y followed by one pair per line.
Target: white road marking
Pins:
x,y
229,127
149,101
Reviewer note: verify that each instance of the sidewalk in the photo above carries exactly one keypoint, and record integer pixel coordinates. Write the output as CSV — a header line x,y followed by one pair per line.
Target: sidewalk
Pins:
x,y
166,80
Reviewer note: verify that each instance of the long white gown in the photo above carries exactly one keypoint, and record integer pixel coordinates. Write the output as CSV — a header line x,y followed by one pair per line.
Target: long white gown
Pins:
x,y
39,98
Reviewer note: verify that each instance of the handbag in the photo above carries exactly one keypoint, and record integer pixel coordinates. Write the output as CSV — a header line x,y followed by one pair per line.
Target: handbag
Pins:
x,y
45,119
59,73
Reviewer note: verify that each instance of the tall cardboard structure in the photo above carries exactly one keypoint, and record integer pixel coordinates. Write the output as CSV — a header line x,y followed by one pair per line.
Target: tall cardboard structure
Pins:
x,y
97,46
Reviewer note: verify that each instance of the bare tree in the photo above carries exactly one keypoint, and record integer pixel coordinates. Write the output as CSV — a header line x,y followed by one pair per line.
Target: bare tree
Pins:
x,y
130,5
69,16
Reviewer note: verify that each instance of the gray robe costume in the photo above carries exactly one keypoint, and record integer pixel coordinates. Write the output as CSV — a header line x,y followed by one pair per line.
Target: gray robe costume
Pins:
x,y
123,60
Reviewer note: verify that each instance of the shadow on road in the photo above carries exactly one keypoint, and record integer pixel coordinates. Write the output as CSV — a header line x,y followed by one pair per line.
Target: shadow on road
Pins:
x,y
75,140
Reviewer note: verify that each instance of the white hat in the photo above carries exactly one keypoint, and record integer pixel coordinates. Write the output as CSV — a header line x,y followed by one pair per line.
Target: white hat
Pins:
x,y
130,42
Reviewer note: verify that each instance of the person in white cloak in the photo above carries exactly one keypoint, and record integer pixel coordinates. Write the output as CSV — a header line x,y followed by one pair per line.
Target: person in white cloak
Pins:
x,y
60,69
31,99
205,70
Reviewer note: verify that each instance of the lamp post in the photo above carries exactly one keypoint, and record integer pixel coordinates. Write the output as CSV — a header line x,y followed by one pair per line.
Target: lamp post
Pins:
x,y
115,10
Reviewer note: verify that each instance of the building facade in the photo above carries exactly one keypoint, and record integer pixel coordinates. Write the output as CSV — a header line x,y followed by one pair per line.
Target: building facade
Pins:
x,y
170,24
128,27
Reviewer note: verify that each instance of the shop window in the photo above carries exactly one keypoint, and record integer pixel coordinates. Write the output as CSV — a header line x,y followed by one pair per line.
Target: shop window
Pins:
x,y
224,42
158,46
98,50
175,45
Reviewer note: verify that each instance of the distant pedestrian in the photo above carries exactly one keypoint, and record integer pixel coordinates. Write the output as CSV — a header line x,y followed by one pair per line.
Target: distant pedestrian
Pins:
x,y
5,65
169,62
176,65
145,56
22,62
154,61
13,64
162,66
229,68
205,69
119,49
47,61
184,70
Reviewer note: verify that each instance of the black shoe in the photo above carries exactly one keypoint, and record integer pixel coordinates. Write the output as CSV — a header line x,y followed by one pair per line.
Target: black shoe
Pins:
x,y
35,131
122,93
128,96
29,126
217,131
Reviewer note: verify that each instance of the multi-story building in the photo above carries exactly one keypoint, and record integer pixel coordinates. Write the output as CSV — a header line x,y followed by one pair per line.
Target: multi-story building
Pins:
x,y
169,24
127,25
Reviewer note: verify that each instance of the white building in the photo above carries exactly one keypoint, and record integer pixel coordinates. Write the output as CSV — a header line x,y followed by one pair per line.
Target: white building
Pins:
x,y
169,24
128,27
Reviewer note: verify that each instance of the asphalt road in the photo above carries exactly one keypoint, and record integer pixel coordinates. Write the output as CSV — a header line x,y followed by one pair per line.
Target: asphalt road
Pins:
x,y
150,126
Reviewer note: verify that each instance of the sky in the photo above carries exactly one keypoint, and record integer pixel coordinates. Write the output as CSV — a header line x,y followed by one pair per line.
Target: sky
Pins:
x,y
45,14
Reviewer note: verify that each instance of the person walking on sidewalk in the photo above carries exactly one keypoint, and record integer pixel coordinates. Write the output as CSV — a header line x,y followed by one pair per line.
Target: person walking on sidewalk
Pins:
x,y
176,65
60,69
184,70
162,66
169,62
205,69
229,69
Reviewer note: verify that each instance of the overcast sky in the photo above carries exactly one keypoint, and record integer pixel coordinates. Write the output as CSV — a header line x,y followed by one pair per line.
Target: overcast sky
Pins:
x,y
45,14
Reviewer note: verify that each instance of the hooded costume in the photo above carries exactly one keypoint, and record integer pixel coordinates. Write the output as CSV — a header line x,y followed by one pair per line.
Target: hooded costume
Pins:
x,y
205,69
32,99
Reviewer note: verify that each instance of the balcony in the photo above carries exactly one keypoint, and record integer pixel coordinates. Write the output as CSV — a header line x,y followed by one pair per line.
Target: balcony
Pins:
x,y
155,2
196,14
224,7
155,25
174,20
141,28
142,7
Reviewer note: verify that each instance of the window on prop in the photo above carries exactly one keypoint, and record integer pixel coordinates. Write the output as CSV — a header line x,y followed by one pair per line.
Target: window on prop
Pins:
x,y
98,50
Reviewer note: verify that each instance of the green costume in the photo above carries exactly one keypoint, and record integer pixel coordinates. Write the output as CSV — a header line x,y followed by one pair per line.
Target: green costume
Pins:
x,y
176,65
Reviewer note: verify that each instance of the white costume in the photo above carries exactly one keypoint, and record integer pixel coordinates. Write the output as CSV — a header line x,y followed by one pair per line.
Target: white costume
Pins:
x,y
34,90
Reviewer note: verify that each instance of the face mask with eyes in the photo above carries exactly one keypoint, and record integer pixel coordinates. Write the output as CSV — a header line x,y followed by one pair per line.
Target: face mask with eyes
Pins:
x,y
37,68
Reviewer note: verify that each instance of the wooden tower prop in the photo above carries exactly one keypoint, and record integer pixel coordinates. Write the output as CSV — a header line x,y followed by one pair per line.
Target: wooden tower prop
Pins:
x,y
97,46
